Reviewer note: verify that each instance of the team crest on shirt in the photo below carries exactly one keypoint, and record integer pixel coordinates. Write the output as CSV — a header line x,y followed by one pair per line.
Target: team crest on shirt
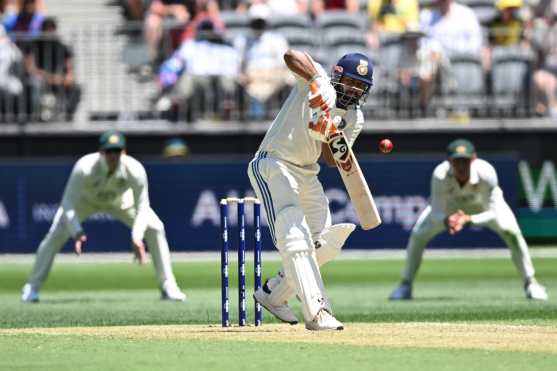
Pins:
x,y
362,68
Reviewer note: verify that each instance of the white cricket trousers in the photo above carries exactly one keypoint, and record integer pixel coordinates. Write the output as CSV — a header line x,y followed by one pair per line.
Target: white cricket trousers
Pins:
x,y
504,224
297,211
59,234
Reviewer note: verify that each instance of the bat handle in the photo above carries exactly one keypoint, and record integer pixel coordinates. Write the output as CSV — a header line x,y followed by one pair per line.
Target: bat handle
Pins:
x,y
313,87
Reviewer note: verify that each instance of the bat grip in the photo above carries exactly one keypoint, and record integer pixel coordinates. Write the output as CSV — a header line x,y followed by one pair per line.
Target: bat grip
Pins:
x,y
313,87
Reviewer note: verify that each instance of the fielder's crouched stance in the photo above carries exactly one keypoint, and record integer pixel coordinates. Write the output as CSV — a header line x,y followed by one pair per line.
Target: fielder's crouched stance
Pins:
x,y
284,176
465,191
112,182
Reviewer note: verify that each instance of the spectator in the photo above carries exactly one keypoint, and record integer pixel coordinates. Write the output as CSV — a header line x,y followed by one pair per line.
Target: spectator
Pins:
x,y
545,78
24,16
49,64
198,67
204,10
318,7
278,7
158,11
10,83
453,26
414,69
287,7
263,71
134,10
450,28
390,16
507,29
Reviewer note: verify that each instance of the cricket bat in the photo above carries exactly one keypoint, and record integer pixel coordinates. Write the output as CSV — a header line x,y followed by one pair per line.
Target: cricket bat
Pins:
x,y
352,176
354,181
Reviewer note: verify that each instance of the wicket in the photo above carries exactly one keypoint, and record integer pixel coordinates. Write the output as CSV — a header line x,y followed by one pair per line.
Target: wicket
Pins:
x,y
240,202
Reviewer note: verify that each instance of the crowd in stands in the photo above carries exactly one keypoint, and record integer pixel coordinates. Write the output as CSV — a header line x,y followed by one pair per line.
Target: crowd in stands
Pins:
x,y
222,59
37,81
432,57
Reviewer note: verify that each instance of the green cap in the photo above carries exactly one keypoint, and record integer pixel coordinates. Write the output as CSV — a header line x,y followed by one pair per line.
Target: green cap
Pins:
x,y
112,139
461,148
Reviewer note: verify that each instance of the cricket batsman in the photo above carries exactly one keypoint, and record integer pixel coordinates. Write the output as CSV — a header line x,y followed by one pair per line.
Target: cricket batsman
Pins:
x,y
465,191
108,181
284,172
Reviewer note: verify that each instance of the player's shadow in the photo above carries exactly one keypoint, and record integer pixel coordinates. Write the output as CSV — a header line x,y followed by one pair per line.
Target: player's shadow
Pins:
x,y
82,300
436,298
427,299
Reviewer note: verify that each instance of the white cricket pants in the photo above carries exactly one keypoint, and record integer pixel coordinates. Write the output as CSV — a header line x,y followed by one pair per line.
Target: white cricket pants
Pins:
x,y
297,211
504,224
59,234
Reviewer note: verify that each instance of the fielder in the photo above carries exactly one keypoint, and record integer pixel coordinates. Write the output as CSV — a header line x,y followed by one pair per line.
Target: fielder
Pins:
x,y
284,176
112,182
465,191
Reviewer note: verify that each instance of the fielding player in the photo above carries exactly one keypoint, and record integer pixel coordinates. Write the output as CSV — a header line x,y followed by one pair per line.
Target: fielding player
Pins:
x,y
112,182
284,176
465,191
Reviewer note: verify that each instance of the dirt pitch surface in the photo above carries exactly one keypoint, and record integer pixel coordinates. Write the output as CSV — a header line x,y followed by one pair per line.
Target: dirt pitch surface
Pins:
x,y
419,335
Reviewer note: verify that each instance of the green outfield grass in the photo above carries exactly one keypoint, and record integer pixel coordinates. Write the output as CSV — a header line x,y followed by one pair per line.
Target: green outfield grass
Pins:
x,y
483,291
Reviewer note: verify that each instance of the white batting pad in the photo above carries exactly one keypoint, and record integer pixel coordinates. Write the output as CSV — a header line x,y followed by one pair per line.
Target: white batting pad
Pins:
x,y
331,240
299,263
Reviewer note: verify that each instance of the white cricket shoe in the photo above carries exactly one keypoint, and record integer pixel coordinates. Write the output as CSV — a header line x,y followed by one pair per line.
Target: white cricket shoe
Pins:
x,y
324,321
282,312
403,292
171,291
29,294
535,291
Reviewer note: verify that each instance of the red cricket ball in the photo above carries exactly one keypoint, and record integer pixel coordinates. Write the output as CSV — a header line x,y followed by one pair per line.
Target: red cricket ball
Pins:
x,y
385,146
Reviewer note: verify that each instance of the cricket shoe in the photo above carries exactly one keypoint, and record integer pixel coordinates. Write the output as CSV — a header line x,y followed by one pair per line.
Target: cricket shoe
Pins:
x,y
324,321
535,291
282,311
171,291
403,292
29,294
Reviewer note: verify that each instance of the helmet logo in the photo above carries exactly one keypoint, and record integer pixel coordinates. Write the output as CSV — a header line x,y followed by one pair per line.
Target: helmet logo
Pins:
x,y
460,149
362,68
114,139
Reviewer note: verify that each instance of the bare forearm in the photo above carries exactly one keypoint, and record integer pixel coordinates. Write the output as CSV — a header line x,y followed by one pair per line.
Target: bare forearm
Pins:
x,y
300,63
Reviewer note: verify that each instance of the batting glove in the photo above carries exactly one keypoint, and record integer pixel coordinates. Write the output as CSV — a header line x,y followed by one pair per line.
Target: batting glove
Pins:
x,y
322,94
321,126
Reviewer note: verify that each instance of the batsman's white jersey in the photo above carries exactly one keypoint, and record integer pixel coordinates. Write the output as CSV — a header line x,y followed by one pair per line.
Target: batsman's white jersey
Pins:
x,y
288,137
284,176
482,199
123,194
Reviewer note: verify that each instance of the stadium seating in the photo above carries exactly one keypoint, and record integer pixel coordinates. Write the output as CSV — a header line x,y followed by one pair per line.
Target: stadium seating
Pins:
x,y
465,88
511,79
107,61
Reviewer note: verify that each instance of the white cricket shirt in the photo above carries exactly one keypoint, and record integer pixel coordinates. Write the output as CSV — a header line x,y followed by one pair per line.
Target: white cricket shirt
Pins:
x,y
288,137
458,31
478,198
89,184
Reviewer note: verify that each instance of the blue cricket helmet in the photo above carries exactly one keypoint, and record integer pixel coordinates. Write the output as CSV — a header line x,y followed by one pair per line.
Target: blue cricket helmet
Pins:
x,y
358,67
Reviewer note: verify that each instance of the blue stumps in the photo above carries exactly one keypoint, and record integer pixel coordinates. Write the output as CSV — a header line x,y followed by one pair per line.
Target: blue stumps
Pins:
x,y
242,297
